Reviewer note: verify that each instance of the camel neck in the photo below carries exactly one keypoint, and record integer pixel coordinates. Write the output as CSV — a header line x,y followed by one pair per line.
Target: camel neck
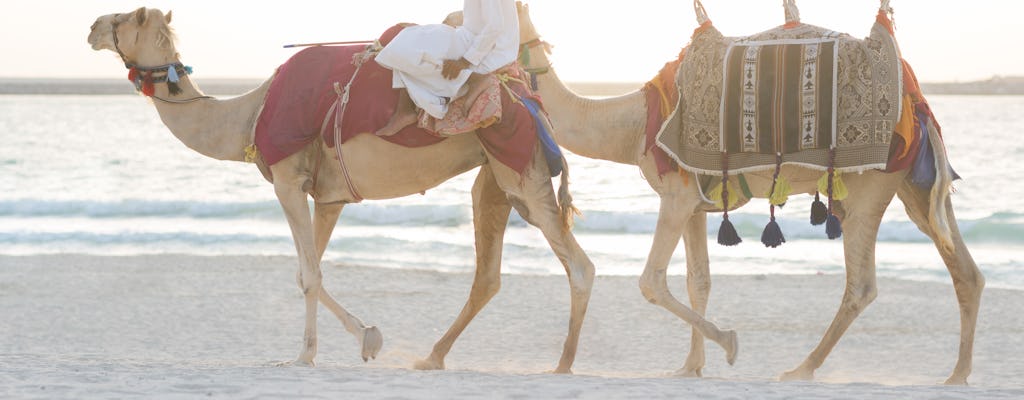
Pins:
x,y
607,128
216,128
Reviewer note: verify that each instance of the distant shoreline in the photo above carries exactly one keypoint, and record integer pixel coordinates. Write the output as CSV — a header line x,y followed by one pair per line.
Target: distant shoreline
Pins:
x,y
236,86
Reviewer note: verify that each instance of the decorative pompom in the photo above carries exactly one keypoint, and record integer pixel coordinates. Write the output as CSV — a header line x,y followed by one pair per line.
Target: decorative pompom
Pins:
x,y
172,74
147,85
832,227
727,235
818,211
133,74
779,192
839,191
715,195
173,88
772,235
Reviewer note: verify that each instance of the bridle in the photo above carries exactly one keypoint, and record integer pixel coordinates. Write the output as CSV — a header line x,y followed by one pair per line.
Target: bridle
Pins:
x,y
524,60
142,77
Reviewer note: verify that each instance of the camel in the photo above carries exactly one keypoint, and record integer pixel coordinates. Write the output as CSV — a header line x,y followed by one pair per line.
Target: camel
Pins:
x,y
613,129
221,129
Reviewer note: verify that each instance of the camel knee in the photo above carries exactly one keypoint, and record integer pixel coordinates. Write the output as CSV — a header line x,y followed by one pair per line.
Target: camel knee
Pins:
x,y
858,298
581,278
653,288
698,283
486,289
310,281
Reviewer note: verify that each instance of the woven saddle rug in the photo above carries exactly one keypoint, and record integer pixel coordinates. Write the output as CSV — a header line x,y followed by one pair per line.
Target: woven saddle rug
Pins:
x,y
302,94
797,91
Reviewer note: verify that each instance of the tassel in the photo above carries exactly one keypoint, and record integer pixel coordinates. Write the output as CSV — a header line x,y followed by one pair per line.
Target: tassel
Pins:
x,y
172,74
818,211
147,84
133,74
772,234
832,227
188,70
173,88
839,191
251,153
727,235
780,192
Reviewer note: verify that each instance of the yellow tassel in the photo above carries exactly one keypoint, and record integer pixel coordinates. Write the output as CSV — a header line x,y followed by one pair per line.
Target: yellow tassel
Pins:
x,y
839,191
715,194
251,153
780,192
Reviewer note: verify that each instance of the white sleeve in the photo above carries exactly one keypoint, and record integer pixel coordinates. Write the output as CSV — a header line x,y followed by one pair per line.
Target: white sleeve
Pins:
x,y
494,17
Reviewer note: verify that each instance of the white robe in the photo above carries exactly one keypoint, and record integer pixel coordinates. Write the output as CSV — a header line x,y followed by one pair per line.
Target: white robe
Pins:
x,y
488,39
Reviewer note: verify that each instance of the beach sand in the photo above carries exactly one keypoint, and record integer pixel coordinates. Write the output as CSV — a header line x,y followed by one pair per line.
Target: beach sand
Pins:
x,y
91,327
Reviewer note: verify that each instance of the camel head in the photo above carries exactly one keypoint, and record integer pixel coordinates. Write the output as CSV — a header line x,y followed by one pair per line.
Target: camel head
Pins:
x,y
140,37
527,32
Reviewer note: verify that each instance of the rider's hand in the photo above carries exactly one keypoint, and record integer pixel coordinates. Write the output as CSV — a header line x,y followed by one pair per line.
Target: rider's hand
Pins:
x,y
452,68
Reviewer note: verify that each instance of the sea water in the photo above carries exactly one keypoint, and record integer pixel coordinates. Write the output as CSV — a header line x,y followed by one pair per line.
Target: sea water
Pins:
x,y
100,174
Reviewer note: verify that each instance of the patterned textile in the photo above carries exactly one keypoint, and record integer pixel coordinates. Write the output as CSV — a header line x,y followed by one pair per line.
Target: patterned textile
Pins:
x,y
796,91
302,93
661,98
485,110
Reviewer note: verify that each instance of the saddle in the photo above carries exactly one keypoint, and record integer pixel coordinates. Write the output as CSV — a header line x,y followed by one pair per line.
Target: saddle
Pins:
x,y
797,93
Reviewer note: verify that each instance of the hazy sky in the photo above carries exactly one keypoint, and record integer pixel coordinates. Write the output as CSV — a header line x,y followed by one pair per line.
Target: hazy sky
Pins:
x,y
595,40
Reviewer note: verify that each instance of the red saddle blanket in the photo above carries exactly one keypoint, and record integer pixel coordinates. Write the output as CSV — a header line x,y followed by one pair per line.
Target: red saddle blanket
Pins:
x,y
302,93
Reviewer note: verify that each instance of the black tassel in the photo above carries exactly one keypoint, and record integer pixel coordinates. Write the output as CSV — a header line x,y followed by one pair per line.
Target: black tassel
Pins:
x,y
727,235
173,88
772,234
818,211
832,227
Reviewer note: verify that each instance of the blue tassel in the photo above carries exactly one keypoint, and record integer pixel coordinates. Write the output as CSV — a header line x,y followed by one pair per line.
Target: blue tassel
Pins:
x,y
818,211
832,227
727,235
172,74
772,235
188,70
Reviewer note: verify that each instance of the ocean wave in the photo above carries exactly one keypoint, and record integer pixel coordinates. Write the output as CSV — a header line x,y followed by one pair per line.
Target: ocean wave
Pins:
x,y
1001,227
360,214
998,228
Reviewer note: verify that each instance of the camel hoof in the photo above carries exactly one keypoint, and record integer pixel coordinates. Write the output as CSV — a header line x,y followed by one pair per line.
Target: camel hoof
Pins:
x,y
956,380
731,346
372,342
687,372
562,371
798,374
428,365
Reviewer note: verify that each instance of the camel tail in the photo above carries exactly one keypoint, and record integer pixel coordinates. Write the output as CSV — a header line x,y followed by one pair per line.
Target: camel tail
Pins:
x,y
566,210
938,216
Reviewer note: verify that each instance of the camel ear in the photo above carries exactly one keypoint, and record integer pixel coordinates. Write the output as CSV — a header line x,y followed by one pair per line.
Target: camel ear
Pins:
x,y
140,16
167,18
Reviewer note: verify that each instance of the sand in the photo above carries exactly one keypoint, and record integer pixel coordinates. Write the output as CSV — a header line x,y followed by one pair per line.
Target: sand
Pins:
x,y
174,326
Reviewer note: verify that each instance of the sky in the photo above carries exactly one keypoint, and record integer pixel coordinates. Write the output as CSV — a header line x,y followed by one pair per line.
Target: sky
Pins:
x,y
594,40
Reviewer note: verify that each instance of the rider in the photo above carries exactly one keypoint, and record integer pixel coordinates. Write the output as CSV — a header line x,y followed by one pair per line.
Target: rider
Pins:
x,y
435,64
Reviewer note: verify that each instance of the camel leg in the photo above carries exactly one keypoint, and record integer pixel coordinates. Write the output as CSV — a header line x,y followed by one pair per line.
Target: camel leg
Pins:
x,y
698,287
296,209
870,194
490,216
534,198
325,217
674,215
967,279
